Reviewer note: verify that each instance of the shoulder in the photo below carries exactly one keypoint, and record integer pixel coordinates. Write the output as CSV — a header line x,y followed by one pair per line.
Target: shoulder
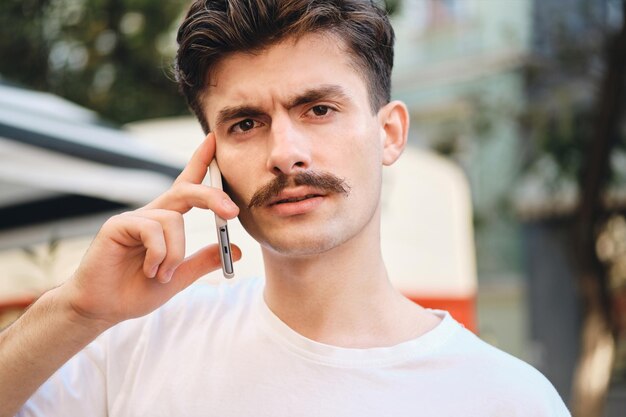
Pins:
x,y
510,383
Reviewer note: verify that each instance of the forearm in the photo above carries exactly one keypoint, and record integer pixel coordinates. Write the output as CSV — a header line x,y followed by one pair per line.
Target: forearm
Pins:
x,y
38,344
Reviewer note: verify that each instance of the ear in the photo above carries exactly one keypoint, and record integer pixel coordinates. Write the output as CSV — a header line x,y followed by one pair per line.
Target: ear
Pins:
x,y
394,124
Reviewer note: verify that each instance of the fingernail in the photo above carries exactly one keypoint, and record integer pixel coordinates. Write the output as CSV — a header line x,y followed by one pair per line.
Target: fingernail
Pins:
x,y
228,203
167,276
153,271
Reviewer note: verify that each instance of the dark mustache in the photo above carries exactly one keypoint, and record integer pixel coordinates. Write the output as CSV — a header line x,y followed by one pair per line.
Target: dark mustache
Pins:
x,y
323,181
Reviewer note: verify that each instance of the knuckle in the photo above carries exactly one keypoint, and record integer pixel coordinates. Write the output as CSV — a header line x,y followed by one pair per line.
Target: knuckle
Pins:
x,y
157,252
114,221
177,190
151,226
169,218
176,218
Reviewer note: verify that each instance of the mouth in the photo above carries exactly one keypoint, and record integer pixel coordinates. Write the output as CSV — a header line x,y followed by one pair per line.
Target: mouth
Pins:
x,y
294,199
291,202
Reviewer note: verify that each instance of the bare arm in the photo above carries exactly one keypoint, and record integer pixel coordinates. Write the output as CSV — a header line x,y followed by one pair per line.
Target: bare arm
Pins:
x,y
39,343
134,265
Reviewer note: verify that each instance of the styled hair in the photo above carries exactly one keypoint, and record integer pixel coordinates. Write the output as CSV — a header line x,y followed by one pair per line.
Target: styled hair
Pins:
x,y
213,29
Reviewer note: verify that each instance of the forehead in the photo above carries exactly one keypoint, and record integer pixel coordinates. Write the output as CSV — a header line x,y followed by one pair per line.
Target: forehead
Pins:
x,y
269,76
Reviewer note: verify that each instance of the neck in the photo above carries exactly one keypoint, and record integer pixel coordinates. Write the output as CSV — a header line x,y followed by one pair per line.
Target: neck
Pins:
x,y
343,296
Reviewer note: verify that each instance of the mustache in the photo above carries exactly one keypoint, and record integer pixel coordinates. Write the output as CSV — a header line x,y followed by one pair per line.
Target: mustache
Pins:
x,y
323,181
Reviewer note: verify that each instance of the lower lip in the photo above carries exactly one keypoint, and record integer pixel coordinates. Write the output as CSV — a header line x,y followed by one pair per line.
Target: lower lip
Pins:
x,y
297,207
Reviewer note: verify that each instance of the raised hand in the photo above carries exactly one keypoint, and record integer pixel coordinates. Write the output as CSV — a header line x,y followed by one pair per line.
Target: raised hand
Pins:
x,y
136,262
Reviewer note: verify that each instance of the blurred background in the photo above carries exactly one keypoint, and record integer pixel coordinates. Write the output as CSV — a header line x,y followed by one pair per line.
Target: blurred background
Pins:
x,y
517,150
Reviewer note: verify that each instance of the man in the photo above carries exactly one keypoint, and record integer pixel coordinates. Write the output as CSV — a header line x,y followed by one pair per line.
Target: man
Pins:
x,y
295,95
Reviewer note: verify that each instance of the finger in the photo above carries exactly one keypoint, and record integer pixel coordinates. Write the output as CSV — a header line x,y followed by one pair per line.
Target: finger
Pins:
x,y
201,263
156,248
197,167
183,196
173,233
132,231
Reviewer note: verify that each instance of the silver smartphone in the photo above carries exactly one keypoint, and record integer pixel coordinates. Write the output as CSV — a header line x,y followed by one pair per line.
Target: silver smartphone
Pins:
x,y
222,227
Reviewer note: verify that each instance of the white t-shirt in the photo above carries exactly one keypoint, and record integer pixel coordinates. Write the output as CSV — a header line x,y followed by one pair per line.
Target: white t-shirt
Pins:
x,y
220,351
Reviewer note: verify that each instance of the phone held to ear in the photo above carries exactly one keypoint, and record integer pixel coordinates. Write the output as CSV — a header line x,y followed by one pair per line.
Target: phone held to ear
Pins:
x,y
221,226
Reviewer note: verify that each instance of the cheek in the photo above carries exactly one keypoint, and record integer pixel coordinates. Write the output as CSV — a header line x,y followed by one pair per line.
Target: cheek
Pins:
x,y
235,173
360,151
364,168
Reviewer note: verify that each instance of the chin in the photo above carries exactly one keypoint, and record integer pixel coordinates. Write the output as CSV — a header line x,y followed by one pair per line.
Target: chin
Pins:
x,y
306,236
298,240
301,247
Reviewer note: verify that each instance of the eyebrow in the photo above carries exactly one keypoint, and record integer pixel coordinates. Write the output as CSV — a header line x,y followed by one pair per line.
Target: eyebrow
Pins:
x,y
231,113
311,95
323,92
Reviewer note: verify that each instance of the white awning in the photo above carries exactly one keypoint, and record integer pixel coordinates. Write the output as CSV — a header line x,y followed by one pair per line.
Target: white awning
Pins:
x,y
38,172
63,171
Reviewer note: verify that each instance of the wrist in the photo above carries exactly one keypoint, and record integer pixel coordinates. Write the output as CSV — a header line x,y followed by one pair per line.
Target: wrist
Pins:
x,y
69,307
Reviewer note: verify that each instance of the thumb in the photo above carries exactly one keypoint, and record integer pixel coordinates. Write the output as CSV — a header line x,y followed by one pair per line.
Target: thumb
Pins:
x,y
201,263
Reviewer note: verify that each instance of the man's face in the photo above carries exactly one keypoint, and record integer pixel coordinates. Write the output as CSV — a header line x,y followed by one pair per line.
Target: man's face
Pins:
x,y
298,107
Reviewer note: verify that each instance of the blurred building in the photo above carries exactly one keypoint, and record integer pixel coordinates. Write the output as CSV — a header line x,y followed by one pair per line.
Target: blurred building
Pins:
x,y
465,70
458,68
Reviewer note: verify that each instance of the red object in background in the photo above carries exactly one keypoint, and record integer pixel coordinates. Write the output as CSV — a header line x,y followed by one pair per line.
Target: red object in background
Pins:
x,y
19,303
463,309
12,308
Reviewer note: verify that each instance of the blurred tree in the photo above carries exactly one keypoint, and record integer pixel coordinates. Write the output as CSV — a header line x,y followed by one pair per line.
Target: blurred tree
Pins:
x,y
391,6
600,331
113,56
576,81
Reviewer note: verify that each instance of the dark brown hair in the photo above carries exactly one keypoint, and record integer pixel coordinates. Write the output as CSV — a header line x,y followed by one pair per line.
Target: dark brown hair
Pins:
x,y
214,28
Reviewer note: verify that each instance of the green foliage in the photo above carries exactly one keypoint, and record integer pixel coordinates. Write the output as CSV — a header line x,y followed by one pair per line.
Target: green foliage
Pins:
x,y
113,56
392,6
563,79
562,130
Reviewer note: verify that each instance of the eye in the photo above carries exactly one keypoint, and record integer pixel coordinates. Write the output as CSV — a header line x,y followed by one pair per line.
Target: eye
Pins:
x,y
320,110
320,113
243,126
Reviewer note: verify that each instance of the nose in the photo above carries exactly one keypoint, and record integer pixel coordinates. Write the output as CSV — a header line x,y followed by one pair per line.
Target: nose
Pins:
x,y
289,148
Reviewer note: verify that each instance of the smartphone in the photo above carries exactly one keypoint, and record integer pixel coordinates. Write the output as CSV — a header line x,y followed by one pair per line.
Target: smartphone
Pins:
x,y
220,224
